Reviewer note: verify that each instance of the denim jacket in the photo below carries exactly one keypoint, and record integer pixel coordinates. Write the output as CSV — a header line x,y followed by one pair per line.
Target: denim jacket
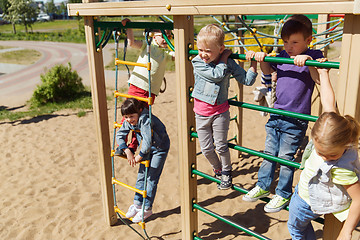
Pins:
x,y
212,80
155,136
326,196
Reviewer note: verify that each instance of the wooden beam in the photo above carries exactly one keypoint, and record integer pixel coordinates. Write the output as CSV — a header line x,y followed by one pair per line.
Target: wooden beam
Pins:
x,y
347,89
184,35
98,93
332,227
199,7
239,91
316,107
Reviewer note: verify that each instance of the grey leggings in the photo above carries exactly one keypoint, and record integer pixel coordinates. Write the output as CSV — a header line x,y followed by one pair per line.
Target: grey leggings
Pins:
x,y
213,130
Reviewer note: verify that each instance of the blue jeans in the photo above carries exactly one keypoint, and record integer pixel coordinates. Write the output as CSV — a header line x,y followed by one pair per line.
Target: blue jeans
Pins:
x,y
300,216
284,136
157,160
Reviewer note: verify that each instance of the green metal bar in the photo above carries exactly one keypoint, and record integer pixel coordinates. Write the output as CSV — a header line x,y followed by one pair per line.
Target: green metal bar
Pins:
x,y
197,238
167,40
231,139
100,41
241,190
312,63
259,154
274,110
231,223
233,98
214,179
273,17
264,155
137,25
234,118
106,40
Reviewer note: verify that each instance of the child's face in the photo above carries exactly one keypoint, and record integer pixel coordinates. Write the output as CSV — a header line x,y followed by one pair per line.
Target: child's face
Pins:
x,y
132,118
160,40
329,154
296,44
210,53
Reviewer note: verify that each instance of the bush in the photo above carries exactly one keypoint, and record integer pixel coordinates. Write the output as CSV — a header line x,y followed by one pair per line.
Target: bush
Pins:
x,y
59,84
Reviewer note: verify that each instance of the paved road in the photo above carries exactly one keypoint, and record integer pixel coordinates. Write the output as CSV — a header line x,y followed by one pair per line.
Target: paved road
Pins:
x,y
17,82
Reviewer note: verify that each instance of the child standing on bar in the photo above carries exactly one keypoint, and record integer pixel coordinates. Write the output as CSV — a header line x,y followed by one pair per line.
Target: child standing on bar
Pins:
x,y
212,71
284,135
138,81
155,147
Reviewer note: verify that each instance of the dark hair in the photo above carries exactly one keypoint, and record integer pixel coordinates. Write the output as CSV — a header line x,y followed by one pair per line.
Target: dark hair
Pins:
x,y
131,106
297,23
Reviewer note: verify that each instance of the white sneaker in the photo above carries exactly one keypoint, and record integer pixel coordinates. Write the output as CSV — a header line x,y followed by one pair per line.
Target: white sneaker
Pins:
x,y
133,210
255,194
276,204
138,216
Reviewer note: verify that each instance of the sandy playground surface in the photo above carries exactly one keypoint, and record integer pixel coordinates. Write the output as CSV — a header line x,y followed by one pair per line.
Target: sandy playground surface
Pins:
x,y
50,187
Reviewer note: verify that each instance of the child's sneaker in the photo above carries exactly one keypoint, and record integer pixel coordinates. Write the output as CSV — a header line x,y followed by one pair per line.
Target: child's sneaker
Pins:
x,y
133,210
119,152
255,194
226,181
138,216
276,204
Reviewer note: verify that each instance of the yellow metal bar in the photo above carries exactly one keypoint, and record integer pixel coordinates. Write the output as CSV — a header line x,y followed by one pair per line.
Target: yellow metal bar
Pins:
x,y
142,224
148,100
146,163
121,156
117,125
143,193
145,65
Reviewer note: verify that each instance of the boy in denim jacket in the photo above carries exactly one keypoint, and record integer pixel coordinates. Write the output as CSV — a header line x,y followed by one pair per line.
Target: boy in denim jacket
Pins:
x,y
284,135
212,70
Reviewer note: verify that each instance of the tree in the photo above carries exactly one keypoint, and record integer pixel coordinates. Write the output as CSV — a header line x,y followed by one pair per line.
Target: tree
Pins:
x,y
4,5
23,11
50,7
62,10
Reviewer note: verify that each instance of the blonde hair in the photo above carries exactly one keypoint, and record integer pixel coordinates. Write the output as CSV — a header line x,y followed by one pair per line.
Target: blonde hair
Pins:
x,y
332,130
211,34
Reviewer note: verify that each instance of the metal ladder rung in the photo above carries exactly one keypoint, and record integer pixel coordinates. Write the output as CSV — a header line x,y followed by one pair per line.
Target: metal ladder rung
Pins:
x,y
144,65
142,192
142,224
118,125
147,100
145,162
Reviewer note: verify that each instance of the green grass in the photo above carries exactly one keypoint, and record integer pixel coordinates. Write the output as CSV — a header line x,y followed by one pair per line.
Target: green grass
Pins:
x,y
56,31
23,57
4,47
81,103
53,26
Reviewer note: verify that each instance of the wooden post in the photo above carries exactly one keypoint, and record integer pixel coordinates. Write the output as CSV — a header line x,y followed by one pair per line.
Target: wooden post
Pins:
x,y
347,89
316,107
239,91
323,18
98,93
332,227
183,36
